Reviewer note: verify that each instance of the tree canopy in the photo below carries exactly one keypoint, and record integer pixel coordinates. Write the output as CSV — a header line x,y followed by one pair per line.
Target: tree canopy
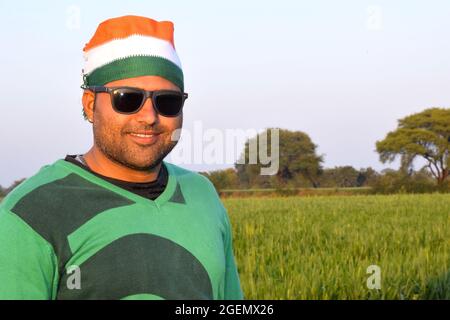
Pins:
x,y
425,134
295,152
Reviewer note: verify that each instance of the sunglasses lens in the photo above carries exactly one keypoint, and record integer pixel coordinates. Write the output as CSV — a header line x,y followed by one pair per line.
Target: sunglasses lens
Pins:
x,y
169,104
127,100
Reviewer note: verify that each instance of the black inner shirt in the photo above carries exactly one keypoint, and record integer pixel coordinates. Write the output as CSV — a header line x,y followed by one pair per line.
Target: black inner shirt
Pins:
x,y
150,190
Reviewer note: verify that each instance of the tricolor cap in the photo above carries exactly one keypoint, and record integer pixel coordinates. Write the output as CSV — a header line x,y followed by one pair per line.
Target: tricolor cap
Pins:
x,y
131,46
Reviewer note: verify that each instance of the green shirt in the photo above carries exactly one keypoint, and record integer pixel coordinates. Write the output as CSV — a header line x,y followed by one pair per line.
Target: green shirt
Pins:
x,y
66,233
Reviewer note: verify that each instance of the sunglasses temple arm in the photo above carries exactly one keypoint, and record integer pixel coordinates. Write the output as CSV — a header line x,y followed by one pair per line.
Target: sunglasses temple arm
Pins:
x,y
96,89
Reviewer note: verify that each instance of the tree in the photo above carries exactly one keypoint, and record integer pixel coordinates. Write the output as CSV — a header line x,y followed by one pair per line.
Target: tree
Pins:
x,y
366,177
425,134
296,155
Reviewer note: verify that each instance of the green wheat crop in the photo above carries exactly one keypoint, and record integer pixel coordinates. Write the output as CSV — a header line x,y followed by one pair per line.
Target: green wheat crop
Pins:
x,y
320,247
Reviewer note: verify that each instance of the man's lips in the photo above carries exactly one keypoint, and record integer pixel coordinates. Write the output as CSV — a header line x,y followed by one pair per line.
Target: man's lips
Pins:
x,y
144,137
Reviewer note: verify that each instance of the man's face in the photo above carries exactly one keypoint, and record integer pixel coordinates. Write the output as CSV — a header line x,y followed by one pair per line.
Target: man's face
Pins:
x,y
114,133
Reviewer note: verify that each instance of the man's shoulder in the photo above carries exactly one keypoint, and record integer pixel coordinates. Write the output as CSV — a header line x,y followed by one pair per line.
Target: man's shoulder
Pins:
x,y
187,175
59,199
198,188
193,179
44,176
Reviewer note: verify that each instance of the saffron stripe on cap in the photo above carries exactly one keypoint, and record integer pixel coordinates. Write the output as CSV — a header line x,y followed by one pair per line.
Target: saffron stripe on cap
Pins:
x,y
123,27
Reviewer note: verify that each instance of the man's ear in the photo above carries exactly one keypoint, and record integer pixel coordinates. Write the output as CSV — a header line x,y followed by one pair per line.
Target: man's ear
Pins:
x,y
88,101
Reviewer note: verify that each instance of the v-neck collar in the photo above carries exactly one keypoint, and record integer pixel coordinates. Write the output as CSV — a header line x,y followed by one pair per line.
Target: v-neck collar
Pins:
x,y
160,200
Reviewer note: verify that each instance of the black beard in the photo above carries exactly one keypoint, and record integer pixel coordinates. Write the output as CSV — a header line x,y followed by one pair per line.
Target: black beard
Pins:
x,y
114,157
117,149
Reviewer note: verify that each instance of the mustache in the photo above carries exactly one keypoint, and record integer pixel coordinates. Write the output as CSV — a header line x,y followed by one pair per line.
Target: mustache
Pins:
x,y
157,129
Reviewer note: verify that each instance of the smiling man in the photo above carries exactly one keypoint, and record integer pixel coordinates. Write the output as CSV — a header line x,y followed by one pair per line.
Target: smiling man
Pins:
x,y
118,222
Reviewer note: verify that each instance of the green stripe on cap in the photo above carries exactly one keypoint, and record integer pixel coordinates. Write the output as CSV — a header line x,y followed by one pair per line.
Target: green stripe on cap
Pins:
x,y
136,66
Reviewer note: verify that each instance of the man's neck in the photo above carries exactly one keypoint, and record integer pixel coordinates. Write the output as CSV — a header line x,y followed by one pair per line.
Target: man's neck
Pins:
x,y
101,164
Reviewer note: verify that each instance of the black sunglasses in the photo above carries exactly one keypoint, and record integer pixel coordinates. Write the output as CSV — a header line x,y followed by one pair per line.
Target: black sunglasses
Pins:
x,y
129,100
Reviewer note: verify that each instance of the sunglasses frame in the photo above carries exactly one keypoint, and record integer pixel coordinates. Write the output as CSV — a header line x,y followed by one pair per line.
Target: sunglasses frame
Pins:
x,y
146,93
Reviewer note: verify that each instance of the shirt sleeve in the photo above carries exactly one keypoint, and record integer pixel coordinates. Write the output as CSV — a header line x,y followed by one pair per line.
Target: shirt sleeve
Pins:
x,y
233,290
28,265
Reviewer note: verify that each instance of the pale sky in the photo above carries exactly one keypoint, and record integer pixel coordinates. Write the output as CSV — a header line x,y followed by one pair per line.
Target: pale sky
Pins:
x,y
341,71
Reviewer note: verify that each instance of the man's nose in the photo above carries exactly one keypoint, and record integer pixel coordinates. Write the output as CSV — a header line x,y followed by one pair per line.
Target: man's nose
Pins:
x,y
147,113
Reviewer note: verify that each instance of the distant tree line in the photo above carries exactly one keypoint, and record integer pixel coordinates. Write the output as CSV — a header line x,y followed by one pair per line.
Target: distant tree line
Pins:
x,y
423,135
386,181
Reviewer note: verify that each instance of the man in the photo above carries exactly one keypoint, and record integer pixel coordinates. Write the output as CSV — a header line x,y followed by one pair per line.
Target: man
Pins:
x,y
119,222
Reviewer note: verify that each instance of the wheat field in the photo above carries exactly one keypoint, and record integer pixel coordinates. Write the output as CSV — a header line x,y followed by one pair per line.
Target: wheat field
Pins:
x,y
321,247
